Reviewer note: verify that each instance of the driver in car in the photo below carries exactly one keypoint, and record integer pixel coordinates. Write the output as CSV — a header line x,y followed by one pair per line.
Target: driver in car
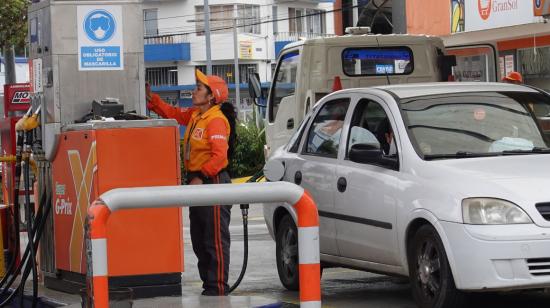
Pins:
x,y
384,134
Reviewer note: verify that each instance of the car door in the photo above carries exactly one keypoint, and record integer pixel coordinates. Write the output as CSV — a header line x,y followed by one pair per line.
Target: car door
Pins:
x,y
365,202
281,121
315,167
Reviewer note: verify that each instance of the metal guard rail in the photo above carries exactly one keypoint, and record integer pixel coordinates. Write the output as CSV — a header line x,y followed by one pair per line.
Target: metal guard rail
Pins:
x,y
205,195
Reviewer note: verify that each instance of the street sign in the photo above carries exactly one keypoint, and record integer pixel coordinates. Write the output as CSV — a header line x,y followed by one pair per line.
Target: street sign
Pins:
x,y
35,74
100,39
245,50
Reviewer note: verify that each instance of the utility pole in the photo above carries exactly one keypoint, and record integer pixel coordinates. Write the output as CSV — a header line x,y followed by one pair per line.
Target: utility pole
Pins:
x,y
207,37
9,64
236,57
399,16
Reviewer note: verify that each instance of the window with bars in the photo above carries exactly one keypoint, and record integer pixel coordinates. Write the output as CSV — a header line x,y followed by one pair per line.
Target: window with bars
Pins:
x,y
535,62
249,18
227,71
303,20
274,17
221,18
150,22
162,76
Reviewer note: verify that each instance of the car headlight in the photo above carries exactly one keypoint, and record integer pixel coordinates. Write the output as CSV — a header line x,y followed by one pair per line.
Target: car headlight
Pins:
x,y
489,211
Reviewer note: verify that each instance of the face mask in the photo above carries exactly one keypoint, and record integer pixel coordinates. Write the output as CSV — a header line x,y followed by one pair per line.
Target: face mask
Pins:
x,y
99,33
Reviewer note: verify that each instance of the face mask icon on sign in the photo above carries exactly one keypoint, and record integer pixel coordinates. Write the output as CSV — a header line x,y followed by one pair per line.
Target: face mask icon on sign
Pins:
x,y
99,25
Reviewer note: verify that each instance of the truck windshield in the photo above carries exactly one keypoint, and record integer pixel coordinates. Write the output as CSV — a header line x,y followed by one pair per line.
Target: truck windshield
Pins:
x,y
480,124
372,61
284,82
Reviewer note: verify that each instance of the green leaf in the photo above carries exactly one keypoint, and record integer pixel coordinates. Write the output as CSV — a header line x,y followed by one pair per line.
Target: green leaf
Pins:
x,y
13,25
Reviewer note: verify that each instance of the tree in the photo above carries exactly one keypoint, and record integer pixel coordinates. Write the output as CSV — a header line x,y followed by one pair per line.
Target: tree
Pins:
x,y
13,28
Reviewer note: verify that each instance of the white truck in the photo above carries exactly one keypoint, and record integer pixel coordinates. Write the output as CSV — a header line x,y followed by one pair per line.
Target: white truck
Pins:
x,y
308,70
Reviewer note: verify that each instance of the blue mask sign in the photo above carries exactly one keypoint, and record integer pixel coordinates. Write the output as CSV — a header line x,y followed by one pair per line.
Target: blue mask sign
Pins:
x,y
99,25
100,43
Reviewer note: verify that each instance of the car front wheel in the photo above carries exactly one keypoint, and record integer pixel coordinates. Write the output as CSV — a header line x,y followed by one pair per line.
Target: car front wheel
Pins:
x,y
286,248
431,278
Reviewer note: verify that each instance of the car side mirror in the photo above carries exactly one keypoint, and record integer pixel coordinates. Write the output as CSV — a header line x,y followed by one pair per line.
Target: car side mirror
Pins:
x,y
364,153
255,88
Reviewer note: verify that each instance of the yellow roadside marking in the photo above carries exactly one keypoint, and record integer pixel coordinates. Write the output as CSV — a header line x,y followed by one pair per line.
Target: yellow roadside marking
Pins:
x,y
243,180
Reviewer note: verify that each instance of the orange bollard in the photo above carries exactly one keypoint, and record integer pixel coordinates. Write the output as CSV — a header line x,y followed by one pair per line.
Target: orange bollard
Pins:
x,y
98,214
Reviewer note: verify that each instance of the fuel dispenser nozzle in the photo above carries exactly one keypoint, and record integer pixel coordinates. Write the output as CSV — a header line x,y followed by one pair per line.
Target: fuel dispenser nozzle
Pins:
x,y
28,122
244,211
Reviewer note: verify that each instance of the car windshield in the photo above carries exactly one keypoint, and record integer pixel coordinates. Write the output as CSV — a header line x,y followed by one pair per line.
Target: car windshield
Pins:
x,y
478,124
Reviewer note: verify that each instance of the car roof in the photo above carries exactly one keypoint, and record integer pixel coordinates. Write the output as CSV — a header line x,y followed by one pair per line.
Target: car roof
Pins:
x,y
437,88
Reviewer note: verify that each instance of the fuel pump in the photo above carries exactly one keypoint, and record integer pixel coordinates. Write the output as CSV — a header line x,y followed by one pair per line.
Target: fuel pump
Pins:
x,y
25,128
77,162
81,52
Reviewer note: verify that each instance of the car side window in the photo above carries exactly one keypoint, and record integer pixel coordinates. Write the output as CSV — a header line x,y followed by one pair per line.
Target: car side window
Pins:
x,y
284,81
325,132
370,125
294,142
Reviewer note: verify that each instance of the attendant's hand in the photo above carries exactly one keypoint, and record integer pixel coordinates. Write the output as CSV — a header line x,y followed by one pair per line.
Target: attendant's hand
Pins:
x,y
148,93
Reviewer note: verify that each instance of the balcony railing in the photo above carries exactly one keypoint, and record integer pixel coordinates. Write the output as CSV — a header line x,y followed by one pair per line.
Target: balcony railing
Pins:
x,y
162,76
167,47
295,36
166,39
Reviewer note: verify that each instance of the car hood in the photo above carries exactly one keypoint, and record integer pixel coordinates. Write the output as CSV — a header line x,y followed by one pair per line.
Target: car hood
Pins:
x,y
524,176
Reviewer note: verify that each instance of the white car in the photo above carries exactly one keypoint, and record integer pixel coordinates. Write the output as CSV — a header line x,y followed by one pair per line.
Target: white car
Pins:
x,y
447,183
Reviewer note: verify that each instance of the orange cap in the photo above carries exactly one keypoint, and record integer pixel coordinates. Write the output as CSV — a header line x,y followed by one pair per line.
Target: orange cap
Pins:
x,y
513,76
216,84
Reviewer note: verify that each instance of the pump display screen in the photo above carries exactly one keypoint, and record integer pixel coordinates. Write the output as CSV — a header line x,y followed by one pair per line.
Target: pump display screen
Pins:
x,y
377,61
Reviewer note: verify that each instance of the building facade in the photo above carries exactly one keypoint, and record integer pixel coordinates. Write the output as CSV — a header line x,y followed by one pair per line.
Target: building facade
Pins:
x,y
504,35
175,43
21,72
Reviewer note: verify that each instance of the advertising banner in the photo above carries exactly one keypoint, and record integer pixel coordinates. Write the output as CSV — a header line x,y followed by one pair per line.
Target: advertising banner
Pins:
x,y
17,97
489,14
245,50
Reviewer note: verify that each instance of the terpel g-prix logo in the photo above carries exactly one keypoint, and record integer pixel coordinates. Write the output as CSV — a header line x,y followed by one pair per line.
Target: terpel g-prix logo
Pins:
x,y
21,97
484,8
82,175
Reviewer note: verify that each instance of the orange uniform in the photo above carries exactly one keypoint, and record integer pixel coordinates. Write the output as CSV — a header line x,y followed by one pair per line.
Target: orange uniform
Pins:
x,y
205,139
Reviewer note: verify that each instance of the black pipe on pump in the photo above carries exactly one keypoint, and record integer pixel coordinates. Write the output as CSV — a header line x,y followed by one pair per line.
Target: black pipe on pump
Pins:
x,y
244,210
26,129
